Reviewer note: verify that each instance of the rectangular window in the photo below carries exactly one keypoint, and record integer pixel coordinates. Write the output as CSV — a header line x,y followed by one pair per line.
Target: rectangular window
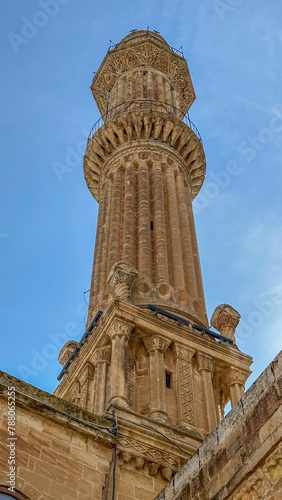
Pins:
x,y
168,380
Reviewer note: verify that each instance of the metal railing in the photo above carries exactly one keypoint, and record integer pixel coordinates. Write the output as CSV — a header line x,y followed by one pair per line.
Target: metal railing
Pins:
x,y
143,105
146,35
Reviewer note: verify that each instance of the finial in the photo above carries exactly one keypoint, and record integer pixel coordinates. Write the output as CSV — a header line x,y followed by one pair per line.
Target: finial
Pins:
x,y
225,319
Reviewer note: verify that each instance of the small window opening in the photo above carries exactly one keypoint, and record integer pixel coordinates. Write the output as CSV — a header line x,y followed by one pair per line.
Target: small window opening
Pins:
x,y
168,380
152,225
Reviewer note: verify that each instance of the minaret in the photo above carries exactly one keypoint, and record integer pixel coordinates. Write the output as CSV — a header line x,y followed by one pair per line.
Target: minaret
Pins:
x,y
148,353
145,165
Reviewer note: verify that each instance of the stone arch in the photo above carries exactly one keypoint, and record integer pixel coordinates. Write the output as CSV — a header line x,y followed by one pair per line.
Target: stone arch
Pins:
x,y
27,492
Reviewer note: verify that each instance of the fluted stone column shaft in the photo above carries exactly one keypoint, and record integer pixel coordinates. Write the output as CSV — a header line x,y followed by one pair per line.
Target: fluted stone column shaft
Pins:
x,y
206,369
104,245
119,332
156,348
138,85
196,258
114,242
86,386
128,92
167,92
129,219
162,272
174,232
144,236
187,250
95,281
235,380
150,85
101,361
121,90
236,392
160,87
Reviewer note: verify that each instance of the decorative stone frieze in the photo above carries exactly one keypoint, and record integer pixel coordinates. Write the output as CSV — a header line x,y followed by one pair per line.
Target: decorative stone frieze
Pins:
x,y
121,278
170,76
139,454
225,319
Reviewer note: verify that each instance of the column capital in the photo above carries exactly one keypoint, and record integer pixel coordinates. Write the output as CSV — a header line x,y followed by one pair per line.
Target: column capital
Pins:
x,y
120,328
235,376
225,319
102,355
205,362
121,277
87,372
183,352
156,343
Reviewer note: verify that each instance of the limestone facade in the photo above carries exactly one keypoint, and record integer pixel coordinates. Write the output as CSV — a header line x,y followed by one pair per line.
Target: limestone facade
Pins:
x,y
242,458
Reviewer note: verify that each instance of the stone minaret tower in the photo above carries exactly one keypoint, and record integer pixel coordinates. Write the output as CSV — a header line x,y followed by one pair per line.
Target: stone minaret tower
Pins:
x,y
145,165
148,351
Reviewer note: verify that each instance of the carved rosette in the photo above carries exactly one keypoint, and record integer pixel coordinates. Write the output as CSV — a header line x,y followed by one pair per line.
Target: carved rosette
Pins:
x,y
225,319
121,277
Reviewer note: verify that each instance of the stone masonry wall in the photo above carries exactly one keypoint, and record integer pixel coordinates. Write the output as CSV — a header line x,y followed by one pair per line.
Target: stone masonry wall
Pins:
x,y
60,451
242,458
65,453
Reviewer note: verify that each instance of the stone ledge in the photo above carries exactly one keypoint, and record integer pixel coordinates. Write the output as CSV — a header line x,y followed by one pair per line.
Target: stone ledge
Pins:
x,y
54,407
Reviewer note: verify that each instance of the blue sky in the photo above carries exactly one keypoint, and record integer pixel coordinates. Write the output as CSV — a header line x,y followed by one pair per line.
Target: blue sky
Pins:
x,y
47,224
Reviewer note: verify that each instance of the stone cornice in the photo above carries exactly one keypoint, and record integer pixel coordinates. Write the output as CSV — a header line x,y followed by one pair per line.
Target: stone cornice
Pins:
x,y
141,129
54,407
